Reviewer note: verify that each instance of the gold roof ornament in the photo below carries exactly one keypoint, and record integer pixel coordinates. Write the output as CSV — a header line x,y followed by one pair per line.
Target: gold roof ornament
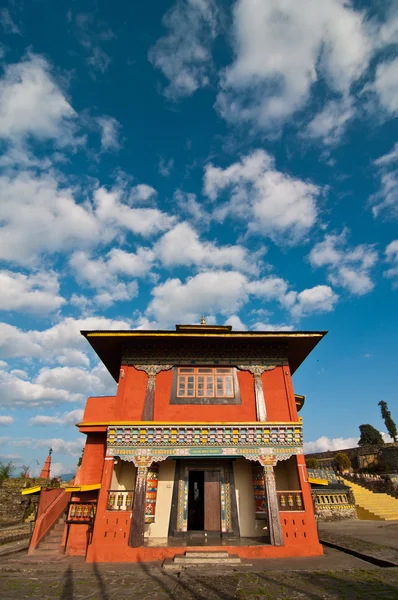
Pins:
x,y
203,321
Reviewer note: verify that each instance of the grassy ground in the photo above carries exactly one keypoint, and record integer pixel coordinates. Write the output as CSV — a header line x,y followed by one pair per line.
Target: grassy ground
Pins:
x,y
121,583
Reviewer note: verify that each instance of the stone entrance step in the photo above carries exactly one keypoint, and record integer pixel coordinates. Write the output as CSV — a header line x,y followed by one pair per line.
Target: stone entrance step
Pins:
x,y
201,559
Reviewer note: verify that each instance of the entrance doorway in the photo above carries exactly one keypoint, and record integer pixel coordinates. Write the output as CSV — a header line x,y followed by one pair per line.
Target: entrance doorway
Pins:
x,y
204,501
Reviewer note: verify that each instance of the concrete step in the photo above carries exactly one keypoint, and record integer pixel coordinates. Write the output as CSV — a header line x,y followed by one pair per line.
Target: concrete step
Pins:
x,y
207,560
49,546
206,554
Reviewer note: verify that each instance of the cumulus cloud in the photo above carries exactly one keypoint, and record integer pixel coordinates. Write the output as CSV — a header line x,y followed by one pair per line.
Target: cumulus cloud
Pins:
x,y
40,215
32,104
282,49
103,274
349,268
273,203
66,419
225,292
55,343
54,386
323,444
182,246
210,292
235,322
6,420
37,292
184,53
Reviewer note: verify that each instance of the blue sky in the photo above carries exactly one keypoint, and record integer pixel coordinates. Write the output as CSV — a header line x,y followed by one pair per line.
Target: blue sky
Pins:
x,y
164,160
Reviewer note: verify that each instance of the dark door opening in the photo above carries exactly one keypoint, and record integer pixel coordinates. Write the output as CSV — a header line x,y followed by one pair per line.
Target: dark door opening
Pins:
x,y
196,505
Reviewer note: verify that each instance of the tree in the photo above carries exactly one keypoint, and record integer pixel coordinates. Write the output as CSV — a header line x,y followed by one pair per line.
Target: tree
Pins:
x,y
6,470
311,463
341,461
388,421
369,435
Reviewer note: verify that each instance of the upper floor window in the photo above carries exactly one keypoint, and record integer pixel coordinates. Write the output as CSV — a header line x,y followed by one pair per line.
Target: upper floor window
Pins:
x,y
205,382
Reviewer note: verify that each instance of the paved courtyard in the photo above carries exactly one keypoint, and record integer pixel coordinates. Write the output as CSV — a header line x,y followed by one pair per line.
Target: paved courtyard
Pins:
x,y
336,575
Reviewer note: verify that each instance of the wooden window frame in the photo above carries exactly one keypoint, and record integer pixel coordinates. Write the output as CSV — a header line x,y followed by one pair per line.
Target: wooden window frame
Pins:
x,y
206,399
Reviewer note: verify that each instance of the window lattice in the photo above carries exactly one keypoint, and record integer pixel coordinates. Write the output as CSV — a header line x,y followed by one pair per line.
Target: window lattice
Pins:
x,y
205,382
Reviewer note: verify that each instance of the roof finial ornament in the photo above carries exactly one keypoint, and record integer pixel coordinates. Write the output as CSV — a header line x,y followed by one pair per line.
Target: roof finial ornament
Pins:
x,y
203,321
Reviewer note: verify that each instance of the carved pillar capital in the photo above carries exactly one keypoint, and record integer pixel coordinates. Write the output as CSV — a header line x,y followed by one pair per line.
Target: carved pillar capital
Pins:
x,y
256,370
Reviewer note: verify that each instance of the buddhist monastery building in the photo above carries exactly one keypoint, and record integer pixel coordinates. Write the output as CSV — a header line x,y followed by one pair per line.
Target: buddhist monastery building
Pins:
x,y
202,444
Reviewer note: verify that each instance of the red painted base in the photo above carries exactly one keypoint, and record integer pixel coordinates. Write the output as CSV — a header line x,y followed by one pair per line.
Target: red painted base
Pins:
x,y
126,554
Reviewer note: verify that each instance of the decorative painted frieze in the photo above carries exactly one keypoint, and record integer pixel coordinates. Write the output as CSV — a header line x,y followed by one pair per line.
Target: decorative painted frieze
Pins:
x,y
266,443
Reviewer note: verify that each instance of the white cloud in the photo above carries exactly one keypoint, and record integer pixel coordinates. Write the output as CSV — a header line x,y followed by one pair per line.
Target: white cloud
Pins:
x,y
323,444
19,392
318,299
113,212
349,268
386,85
37,292
5,420
191,208
274,204
39,215
54,386
55,343
283,47
184,54
68,418
273,288
386,200
182,246
210,292
110,133
391,253
235,323
142,193
32,104
102,273
329,125
61,446
225,292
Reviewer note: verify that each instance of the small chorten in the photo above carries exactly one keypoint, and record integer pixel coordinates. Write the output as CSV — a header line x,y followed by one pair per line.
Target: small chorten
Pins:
x,y
45,472
203,321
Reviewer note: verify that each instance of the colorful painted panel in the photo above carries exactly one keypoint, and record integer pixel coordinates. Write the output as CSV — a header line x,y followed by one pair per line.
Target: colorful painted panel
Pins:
x,y
209,437
151,494
259,492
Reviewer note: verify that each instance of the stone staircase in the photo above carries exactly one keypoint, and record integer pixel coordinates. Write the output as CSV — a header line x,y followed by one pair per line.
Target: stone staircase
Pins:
x,y
377,506
201,558
51,543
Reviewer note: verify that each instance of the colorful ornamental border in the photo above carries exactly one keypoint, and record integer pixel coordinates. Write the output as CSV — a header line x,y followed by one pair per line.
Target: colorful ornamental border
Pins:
x,y
250,441
205,436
